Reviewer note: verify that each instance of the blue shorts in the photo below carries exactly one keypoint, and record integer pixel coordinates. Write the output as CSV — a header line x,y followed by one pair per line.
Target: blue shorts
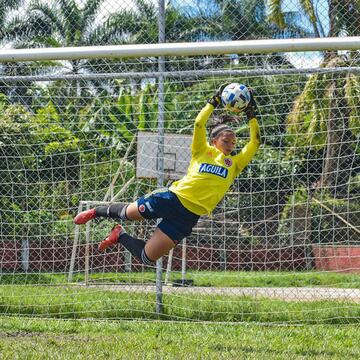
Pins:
x,y
177,221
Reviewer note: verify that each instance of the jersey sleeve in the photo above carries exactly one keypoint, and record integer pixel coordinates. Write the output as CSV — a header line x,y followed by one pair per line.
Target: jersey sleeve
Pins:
x,y
250,149
199,142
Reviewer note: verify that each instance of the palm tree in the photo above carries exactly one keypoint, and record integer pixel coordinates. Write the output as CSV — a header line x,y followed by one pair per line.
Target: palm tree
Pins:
x,y
277,16
5,7
6,34
337,91
343,17
325,115
229,20
247,19
62,23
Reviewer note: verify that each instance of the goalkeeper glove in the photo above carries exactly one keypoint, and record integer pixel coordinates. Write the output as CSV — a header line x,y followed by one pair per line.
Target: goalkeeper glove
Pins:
x,y
251,109
215,100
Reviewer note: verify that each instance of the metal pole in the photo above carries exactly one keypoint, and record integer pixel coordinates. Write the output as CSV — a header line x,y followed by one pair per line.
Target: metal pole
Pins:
x,y
168,267
73,253
183,262
160,155
184,74
87,250
182,49
25,254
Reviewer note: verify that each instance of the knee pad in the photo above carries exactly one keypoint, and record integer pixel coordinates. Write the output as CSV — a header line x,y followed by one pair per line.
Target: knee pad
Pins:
x,y
114,211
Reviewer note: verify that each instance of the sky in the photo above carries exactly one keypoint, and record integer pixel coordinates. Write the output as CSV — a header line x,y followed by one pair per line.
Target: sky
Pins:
x,y
110,6
308,59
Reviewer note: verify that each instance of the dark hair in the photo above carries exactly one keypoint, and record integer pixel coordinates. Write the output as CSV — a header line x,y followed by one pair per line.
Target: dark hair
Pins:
x,y
219,125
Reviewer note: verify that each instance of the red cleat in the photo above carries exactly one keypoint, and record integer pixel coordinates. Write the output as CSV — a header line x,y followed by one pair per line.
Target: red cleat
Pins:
x,y
84,217
112,239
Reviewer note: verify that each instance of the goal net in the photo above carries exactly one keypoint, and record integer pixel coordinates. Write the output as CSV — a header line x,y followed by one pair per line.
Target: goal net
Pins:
x,y
286,233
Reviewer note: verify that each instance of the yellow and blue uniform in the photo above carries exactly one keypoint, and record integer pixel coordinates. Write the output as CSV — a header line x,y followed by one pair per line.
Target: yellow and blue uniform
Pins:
x,y
211,173
209,176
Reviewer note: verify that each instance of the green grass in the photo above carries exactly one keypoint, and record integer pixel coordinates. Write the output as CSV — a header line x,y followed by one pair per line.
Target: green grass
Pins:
x,y
251,328
37,339
21,297
83,303
202,278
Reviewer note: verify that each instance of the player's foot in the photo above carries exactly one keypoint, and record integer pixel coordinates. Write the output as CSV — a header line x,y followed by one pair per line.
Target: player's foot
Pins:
x,y
112,239
85,216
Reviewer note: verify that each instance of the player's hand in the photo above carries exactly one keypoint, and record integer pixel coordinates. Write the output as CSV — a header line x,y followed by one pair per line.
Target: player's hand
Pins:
x,y
251,109
216,99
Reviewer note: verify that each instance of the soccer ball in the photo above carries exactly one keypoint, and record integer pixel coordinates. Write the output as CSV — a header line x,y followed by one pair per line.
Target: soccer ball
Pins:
x,y
235,97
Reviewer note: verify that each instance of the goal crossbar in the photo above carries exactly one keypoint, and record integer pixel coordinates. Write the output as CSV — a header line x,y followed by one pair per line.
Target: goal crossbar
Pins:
x,y
183,49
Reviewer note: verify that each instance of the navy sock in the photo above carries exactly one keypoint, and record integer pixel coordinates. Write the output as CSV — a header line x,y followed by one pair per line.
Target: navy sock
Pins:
x,y
136,248
114,211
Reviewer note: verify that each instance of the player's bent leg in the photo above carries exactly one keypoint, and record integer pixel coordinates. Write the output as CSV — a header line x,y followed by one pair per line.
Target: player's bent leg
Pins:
x,y
135,246
113,211
158,245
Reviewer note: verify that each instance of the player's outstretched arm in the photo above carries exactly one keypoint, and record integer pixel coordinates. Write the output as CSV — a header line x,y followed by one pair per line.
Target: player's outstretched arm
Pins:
x,y
250,149
199,137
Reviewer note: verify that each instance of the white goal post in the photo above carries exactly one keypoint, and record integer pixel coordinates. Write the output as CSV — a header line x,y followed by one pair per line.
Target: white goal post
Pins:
x,y
300,190
172,49
183,49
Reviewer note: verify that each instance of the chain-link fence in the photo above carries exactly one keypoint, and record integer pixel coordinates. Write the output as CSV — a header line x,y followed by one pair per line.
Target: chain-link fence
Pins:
x,y
36,23
69,139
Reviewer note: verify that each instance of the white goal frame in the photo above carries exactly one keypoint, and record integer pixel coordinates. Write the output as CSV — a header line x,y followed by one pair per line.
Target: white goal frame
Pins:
x,y
175,49
183,49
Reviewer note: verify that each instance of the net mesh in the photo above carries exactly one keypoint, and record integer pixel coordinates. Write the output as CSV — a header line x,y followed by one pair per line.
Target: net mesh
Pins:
x,y
294,210
286,233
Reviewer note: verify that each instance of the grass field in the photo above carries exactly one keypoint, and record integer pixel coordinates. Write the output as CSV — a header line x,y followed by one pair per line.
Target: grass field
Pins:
x,y
75,302
30,295
36,339
202,278
43,317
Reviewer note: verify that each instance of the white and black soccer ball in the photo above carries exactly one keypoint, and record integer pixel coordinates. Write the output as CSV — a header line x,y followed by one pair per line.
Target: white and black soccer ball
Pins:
x,y
235,97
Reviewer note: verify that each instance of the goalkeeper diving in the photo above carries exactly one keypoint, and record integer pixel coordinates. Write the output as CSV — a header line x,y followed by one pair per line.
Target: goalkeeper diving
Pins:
x,y
213,168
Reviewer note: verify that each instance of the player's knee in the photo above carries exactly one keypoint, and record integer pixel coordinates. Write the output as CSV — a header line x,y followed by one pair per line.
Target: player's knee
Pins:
x,y
118,211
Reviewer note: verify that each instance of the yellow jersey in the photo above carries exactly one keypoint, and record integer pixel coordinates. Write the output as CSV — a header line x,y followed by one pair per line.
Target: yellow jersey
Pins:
x,y
211,173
